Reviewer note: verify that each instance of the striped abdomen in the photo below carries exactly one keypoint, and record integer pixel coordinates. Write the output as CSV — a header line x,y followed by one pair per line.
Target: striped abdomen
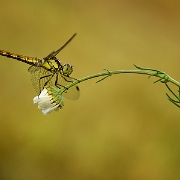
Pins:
x,y
25,59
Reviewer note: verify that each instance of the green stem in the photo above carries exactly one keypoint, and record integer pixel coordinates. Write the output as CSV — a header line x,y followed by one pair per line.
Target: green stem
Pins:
x,y
164,78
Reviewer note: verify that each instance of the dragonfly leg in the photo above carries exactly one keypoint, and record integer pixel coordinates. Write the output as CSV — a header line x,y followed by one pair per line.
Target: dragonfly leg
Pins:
x,y
77,88
41,88
59,85
70,80
67,79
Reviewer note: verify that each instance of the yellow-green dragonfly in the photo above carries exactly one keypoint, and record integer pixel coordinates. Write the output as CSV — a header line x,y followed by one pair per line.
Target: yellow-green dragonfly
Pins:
x,y
48,71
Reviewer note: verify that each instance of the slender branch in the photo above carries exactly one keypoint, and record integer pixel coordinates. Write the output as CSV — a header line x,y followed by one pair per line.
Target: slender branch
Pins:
x,y
162,77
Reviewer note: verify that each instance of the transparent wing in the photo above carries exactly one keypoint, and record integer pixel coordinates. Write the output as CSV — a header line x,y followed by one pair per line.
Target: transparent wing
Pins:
x,y
74,92
54,53
40,77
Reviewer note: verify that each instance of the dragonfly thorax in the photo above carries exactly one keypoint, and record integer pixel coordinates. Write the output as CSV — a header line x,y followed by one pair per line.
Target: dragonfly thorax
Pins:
x,y
55,65
52,65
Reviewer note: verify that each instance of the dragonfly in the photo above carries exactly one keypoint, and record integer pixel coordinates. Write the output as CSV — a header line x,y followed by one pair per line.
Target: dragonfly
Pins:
x,y
48,71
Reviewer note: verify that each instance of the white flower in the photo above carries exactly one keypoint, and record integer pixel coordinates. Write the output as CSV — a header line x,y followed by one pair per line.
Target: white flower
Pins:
x,y
49,100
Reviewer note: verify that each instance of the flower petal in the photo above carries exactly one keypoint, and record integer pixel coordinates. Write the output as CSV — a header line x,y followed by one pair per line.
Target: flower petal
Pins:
x,y
49,100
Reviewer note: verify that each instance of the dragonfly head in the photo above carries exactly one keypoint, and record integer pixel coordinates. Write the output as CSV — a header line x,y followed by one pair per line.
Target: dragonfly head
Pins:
x,y
67,69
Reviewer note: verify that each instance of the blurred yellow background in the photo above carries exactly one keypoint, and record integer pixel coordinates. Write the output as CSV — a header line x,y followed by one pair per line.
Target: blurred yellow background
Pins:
x,y
121,128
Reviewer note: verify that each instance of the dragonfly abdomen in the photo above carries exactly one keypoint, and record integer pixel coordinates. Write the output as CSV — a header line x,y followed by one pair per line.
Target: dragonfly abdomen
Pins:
x,y
25,59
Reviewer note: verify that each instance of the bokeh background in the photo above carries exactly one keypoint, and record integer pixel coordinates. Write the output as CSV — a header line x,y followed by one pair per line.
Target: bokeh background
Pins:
x,y
121,128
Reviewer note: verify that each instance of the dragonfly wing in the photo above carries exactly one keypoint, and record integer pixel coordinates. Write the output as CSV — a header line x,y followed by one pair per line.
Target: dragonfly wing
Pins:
x,y
72,93
40,77
54,53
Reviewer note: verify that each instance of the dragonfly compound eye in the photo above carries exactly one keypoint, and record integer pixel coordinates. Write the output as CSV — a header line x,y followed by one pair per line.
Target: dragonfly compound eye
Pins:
x,y
67,69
